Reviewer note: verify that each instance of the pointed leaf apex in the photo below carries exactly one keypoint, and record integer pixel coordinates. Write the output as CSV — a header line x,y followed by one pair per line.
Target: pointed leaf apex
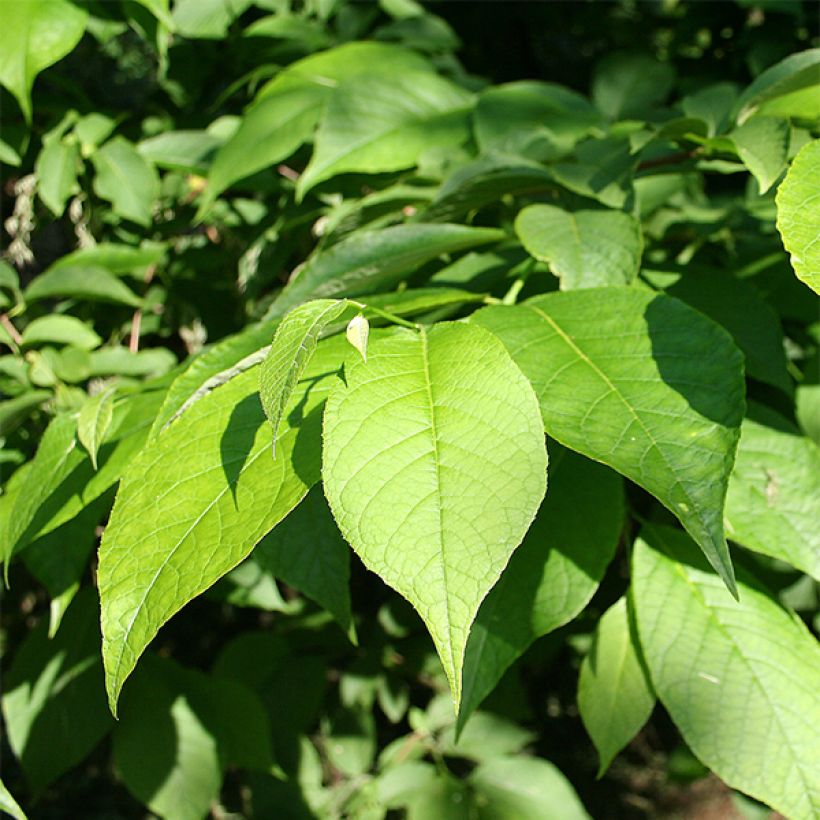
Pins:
x,y
358,330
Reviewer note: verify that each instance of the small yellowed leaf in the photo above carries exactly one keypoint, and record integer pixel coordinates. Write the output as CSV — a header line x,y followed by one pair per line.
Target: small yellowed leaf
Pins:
x,y
358,330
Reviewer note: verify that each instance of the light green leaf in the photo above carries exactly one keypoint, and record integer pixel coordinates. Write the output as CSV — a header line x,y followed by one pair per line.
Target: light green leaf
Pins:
x,y
164,748
126,180
293,346
375,124
434,465
532,119
763,145
188,151
807,410
49,466
204,480
54,697
585,249
206,19
269,133
601,169
81,283
159,8
93,422
739,679
120,361
92,130
57,168
711,105
358,330
615,697
630,85
551,576
773,503
367,261
307,552
9,805
518,788
798,214
113,258
788,88
643,383
34,35
62,330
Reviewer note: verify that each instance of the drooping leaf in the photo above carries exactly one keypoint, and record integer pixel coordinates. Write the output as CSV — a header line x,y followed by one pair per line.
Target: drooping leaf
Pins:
x,y
763,143
54,696
640,382
34,35
788,88
773,503
93,422
798,214
368,261
435,517
307,552
57,168
62,330
203,481
375,124
585,249
551,576
357,333
738,678
126,180
94,284
615,697
519,787
9,805
293,346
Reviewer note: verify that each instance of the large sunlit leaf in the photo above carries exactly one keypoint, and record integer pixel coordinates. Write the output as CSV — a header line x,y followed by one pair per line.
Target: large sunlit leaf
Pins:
x,y
374,124
615,698
584,249
739,678
551,576
643,383
293,346
773,503
33,35
434,465
196,501
798,214
369,261
53,694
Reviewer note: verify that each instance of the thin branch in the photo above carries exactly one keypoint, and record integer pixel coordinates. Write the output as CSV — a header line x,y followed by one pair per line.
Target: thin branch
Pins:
x,y
12,330
136,320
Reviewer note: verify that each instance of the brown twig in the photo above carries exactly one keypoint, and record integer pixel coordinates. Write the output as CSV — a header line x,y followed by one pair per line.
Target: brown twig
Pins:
x,y
670,159
136,320
12,330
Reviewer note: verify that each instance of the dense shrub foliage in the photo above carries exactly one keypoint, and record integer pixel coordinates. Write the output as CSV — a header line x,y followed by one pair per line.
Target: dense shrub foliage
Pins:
x,y
384,434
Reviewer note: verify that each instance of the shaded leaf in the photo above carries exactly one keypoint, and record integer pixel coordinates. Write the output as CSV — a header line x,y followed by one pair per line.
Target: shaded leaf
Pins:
x,y
628,84
763,144
57,168
81,283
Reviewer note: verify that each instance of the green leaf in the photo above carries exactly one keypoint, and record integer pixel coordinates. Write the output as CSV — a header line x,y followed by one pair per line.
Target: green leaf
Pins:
x,y
601,169
773,503
9,805
188,151
615,697
307,552
15,411
763,145
788,88
532,119
415,442
57,168
551,576
630,85
798,214
269,133
375,124
739,308
49,466
164,748
113,258
524,787
206,19
375,260
739,679
54,697
120,361
126,180
711,105
203,480
81,283
291,351
92,130
62,330
34,35
93,422
640,382
585,249
357,333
